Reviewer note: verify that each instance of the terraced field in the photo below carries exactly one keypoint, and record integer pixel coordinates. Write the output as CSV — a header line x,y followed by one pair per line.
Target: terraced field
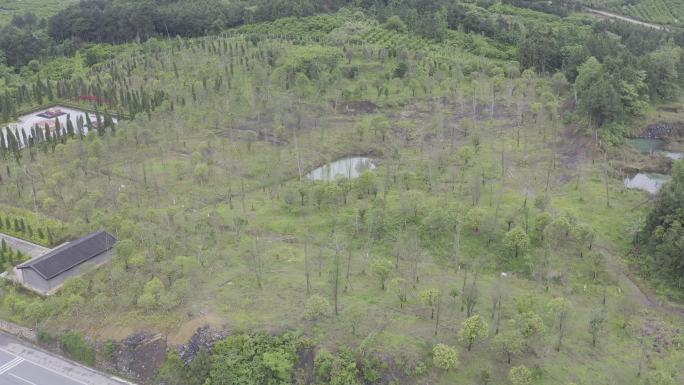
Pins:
x,y
668,12
40,8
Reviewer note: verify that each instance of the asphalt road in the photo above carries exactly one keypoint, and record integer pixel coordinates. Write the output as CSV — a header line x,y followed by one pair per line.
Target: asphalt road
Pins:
x,y
25,247
22,364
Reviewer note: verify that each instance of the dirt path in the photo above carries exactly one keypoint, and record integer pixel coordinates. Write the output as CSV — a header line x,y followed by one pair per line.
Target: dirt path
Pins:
x,y
625,18
642,295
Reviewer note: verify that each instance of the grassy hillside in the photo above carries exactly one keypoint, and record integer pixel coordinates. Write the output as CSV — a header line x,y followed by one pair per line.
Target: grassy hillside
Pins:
x,y
477,176
666,12
40,8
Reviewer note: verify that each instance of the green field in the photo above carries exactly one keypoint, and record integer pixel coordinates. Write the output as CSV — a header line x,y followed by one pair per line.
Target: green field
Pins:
x,y
498,195
40,8
215,225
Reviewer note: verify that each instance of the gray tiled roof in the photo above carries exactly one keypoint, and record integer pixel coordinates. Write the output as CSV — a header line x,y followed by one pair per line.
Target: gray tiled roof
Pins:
x,y
71,254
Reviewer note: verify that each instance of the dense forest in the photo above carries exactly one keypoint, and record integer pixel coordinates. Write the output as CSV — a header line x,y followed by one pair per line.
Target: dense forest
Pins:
x,y
663,234
489,238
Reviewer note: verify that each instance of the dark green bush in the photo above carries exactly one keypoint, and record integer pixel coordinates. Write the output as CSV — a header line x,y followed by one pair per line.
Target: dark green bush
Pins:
x,y
77,347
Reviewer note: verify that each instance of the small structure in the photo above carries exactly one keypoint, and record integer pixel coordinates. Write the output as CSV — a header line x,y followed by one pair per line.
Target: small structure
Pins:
x,y
51,124
51,113
48,272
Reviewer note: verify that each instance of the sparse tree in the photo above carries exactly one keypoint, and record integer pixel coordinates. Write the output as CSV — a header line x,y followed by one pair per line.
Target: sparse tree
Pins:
x,y
520,375
398,287
510,343
445,357
596,325
530,325
470,298
382,269
474,218
454,293
516,242
560,308
317,307
431,298
473,329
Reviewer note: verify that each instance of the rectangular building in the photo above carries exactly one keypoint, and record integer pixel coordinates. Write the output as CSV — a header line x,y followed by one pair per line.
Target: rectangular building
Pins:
x,y
47,272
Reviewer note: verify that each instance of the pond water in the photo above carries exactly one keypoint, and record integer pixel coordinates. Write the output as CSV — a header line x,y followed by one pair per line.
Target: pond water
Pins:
x,y
351,167
647,182
646,145
652,146
28,121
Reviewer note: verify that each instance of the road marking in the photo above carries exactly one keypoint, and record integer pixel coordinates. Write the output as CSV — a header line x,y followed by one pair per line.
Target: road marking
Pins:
x,y
57,373
16,361
48,369
22,379
9,362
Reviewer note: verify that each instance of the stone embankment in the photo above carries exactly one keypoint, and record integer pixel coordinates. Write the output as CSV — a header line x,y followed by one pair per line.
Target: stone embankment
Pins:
x,y
138,356
661,130
19,331
204,338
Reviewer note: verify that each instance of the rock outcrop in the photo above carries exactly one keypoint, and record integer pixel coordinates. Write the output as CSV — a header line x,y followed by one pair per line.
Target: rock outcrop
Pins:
x,y
139,356
204,338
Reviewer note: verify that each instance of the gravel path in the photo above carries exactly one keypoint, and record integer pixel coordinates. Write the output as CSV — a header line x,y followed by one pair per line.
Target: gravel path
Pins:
x,y
28,248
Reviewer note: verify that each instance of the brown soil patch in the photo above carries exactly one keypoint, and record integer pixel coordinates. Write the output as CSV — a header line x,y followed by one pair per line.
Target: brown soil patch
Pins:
x,y
183,334
661,334
112,332
355,107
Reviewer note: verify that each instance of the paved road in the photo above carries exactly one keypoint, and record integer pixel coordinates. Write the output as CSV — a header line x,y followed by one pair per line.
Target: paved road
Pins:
x,y
28,248
21,364
625,18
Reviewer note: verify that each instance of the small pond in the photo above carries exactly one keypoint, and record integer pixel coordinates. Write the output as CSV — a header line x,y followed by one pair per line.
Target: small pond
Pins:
x,y
646,145
647,182
653,146
351,167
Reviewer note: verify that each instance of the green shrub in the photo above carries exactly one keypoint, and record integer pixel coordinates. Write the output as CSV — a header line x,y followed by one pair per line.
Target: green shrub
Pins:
x,y
420,369
445,357
28,225
45,337
317,307
395,23
77,347
252,358
678,341
372,369
339,368
110,347
401,70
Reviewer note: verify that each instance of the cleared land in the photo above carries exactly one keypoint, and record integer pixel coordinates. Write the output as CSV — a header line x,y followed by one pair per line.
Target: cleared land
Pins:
x,y
477,175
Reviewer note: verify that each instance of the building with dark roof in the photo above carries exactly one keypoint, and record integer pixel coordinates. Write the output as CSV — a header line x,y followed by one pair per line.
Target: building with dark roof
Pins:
x,y
47,272
51,113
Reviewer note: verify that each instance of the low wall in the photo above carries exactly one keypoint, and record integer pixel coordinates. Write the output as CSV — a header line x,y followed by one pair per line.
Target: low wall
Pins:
x,y
19,331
